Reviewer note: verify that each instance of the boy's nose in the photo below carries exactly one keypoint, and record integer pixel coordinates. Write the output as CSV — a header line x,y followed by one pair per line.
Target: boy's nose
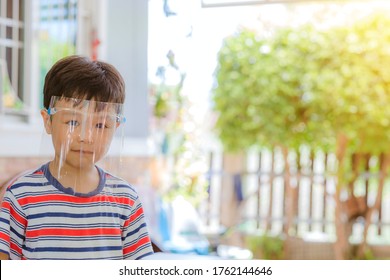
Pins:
x,y
86,134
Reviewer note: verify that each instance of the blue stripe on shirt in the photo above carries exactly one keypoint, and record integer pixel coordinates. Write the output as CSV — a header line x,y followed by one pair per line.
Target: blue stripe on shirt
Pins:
x,y
70,215
74,249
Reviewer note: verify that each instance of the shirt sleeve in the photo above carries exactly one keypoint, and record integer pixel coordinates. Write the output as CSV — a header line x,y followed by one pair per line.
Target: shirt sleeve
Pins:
x,y
136,240
12,226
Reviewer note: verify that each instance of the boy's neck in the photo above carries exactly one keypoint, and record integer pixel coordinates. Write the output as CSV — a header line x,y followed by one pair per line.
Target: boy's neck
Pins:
x,y
81,180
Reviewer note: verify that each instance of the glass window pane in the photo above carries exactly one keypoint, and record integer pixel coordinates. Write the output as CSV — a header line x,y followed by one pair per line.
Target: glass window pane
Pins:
x,y
11,55
9,8
58,32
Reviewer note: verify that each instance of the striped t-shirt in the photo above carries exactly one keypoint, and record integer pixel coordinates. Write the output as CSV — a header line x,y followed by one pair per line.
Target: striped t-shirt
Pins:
x,y
40,219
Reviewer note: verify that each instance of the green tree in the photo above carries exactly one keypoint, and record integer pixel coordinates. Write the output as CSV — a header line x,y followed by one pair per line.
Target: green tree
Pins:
x,y
50,51
327,89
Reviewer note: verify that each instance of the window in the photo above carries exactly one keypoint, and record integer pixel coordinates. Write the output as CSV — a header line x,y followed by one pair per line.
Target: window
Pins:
x,y
51,29
11,55
56,23
57,34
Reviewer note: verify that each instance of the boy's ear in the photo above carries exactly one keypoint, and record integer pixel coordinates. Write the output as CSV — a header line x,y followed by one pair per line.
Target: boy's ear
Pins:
x,y
46,120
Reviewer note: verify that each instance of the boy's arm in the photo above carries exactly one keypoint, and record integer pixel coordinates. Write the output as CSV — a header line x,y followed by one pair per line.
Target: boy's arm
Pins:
x,y
137,244
12,227
4,256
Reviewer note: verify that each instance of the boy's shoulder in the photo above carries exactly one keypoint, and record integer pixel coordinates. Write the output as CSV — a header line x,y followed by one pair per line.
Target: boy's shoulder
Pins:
x,y
30,176
23,182
119,185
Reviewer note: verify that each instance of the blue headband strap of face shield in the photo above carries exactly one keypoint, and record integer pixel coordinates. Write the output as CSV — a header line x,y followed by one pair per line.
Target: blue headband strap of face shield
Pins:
x,y
119,119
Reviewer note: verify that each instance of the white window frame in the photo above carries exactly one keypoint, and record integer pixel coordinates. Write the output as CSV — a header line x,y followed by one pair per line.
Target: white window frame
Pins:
x,y
16,127
14,44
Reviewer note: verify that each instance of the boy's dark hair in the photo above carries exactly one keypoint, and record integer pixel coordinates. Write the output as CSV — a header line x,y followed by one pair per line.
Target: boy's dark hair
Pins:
x,y
79,77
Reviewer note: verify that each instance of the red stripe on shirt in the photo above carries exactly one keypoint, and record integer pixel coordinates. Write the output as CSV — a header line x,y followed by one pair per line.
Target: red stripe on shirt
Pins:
x,y
73,232
74,199
17,217
138,213
5,204
5,237
134,247
133,217
16,248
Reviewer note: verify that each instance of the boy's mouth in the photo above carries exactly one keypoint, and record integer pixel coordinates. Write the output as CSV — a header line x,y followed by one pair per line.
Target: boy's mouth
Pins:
x,y
83,152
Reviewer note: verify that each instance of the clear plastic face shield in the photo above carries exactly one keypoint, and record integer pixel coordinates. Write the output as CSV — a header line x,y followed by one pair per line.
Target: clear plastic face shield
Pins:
x,y
82,132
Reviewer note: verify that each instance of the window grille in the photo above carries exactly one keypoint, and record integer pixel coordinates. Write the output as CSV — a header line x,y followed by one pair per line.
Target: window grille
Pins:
x,y
56,23
11,54
57,33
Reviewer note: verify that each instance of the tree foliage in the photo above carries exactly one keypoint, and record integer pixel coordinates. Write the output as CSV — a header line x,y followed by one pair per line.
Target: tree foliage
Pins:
x,y
305,86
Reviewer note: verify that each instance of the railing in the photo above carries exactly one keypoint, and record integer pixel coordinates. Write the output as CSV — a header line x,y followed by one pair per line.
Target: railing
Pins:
x,y
249,194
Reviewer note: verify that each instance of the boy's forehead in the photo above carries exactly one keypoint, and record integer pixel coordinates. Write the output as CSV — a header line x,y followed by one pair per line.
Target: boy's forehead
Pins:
x,y
72,103
82,107
85,105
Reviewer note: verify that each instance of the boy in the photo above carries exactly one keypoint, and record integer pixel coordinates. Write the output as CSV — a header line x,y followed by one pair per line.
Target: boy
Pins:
x,y
69,208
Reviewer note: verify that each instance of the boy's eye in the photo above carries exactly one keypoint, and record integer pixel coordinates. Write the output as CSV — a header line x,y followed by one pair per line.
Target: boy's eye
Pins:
x,y
73,123
100,125
106,123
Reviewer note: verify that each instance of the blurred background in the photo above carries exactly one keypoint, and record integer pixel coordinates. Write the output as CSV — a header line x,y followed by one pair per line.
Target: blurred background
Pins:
x,y
256,129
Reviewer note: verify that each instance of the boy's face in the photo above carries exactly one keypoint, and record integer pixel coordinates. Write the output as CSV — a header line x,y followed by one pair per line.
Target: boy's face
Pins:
x,y
81,133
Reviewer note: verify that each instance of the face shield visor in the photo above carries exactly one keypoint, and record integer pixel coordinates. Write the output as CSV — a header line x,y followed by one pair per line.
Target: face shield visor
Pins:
x,y
81,133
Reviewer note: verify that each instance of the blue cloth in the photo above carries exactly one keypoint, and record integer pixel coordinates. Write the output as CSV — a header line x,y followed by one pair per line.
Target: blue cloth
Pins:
x,y
238,188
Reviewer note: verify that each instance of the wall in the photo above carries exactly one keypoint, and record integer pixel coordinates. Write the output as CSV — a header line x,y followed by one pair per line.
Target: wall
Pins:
x,y
126,48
